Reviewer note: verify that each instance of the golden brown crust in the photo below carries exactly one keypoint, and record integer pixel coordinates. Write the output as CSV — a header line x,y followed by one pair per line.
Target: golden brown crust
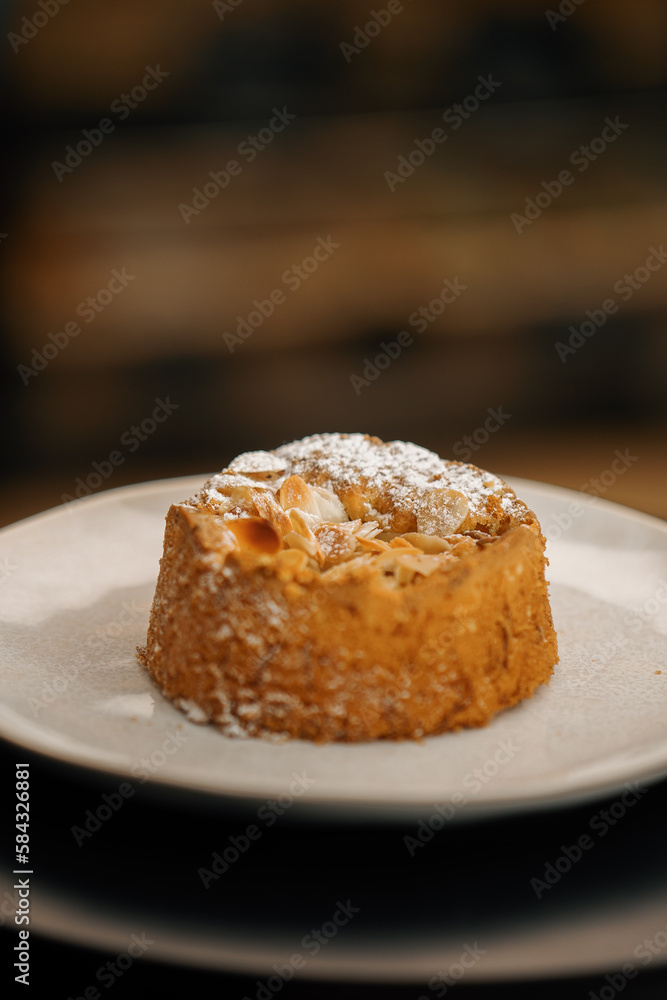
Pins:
x,y
306,629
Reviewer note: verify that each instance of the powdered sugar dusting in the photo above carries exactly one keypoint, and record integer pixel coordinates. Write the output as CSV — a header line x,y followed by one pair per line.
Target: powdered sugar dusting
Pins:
x,y
257,462
397,475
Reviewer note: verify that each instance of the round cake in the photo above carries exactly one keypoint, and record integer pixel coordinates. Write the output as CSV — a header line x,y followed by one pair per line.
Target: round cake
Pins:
x,y
343,588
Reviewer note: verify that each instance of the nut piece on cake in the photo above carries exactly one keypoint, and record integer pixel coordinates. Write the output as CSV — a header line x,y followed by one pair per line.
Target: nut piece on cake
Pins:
x,y
343,588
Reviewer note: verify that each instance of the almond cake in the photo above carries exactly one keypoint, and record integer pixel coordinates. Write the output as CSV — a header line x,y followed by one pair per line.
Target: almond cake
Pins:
x,y
344,588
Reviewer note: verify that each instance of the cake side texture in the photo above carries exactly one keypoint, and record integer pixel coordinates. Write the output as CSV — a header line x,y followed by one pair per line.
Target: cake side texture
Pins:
x,y
421,606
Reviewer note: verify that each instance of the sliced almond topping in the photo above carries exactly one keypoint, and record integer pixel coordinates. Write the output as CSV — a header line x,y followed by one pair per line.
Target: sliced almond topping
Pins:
x,y
336,541
256,534
226,537
240,496
230,483
344,570
237,493
420,564
267,507
321,503
372,544
302,522
431,544
400,543
213,533
405,565
329,507
441,512
222,505
291,561
404,574
295,492
297,541
368,529
302,530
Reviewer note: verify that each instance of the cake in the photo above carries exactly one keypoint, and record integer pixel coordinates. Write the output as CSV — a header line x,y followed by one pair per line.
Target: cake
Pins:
x,y
340,588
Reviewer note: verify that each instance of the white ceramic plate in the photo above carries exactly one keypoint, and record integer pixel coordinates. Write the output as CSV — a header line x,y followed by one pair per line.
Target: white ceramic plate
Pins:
x,y
77,583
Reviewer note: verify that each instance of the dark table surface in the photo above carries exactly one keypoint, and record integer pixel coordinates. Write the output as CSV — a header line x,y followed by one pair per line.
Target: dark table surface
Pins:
x,y
143,862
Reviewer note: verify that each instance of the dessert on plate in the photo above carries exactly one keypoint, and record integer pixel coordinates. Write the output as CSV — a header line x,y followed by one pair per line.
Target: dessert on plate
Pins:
x,y
344,588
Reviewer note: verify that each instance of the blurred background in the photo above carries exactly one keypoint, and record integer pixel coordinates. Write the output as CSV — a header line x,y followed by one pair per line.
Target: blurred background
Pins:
x,y
173,165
